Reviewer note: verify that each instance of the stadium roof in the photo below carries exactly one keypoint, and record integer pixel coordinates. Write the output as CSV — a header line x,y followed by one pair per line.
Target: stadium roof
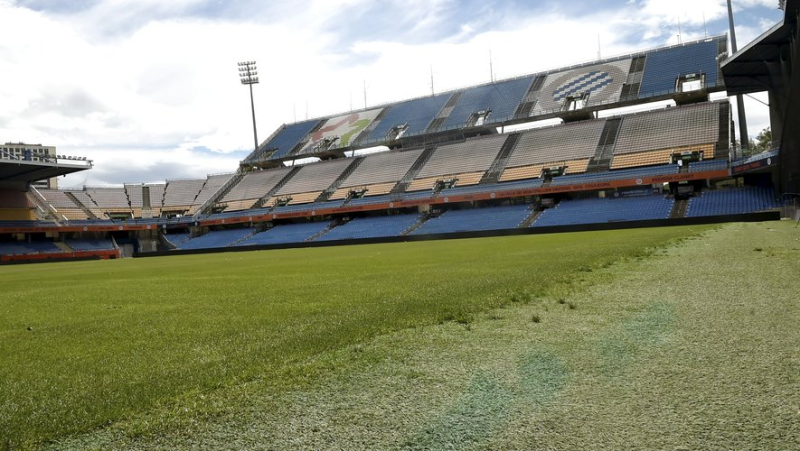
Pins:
x,y
21,171
748,70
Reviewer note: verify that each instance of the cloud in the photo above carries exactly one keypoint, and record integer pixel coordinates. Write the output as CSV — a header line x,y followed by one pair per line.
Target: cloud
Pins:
x,y
138,84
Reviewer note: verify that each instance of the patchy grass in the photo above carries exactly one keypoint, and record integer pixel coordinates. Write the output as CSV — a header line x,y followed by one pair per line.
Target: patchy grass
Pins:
x,y
425,348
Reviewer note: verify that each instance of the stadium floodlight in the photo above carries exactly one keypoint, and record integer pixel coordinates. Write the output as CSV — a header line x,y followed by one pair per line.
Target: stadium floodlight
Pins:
x,y
249,76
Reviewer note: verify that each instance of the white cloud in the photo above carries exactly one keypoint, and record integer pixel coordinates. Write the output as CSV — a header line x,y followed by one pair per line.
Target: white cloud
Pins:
x,y
137,85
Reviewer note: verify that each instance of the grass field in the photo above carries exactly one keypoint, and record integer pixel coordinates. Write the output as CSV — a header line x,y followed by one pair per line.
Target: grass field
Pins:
x,y
655,338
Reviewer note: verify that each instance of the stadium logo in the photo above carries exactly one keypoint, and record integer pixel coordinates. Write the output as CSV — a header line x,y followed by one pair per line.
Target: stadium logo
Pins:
x,y
591,82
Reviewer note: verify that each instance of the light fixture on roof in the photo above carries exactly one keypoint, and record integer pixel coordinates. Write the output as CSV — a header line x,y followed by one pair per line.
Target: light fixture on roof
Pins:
x,y
249,76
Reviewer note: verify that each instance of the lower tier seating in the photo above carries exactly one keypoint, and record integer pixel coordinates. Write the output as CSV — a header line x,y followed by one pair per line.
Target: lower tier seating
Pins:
x,y
220,238
289,233
380,226
731,201
494,218
592,211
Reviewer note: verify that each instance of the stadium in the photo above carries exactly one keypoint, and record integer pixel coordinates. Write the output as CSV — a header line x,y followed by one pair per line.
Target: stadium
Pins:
x,y
639,156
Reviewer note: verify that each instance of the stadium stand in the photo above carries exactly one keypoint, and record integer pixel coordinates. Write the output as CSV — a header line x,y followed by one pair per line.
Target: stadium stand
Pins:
x,y
592,211
177,239
340,131
708,165
663,66
288,233
492,218
466,161
501,98
415,114
252,187
651,138
109,199
214,239
210,187
602,82
89,245
64,205
371,227
312,179
82,198
180,194
25,248
289,138
378,173
615,175
571,145
731,201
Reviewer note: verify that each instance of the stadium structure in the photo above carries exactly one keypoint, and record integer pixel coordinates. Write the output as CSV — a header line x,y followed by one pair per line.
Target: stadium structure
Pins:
x,y
458,164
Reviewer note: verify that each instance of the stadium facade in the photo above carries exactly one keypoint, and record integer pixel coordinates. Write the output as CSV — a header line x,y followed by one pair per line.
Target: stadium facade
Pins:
x,y
452,169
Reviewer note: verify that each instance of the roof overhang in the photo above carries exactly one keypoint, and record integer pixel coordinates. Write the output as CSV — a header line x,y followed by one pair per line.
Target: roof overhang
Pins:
x,y
19,171
748,70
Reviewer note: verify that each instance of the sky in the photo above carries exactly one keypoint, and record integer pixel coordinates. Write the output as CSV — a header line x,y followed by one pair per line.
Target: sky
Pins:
x,y
149,89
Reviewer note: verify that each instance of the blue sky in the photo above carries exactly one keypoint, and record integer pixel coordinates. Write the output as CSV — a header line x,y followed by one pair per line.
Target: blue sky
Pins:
x,y
149,89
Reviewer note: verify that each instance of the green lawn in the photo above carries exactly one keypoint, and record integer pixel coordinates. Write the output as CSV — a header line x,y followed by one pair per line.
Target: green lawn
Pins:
x,y
417,345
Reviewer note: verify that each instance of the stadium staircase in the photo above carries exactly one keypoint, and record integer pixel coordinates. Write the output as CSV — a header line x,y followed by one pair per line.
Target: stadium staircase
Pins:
x,y
679,209
422,219
44,211
224,189
80,205
63,246
244,238
530,219
339,180
601,161
413,171
499,163
630,90
260,202
332,224
524,109
444,113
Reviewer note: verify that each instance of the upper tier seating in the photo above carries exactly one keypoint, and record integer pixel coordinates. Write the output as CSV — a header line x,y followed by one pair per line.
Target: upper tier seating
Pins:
x,y
372,227
417,114
473,156
288,138
382,168
315,177
501,98
731,201
87,202
674,127
493,218
283,234
220,238
212,185
182,193
135,195
594,211
109,199
255,185
663,67
557,144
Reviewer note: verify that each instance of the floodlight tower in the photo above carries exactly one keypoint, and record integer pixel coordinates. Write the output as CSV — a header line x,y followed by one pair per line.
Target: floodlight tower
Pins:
x,y
744,139
249,76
